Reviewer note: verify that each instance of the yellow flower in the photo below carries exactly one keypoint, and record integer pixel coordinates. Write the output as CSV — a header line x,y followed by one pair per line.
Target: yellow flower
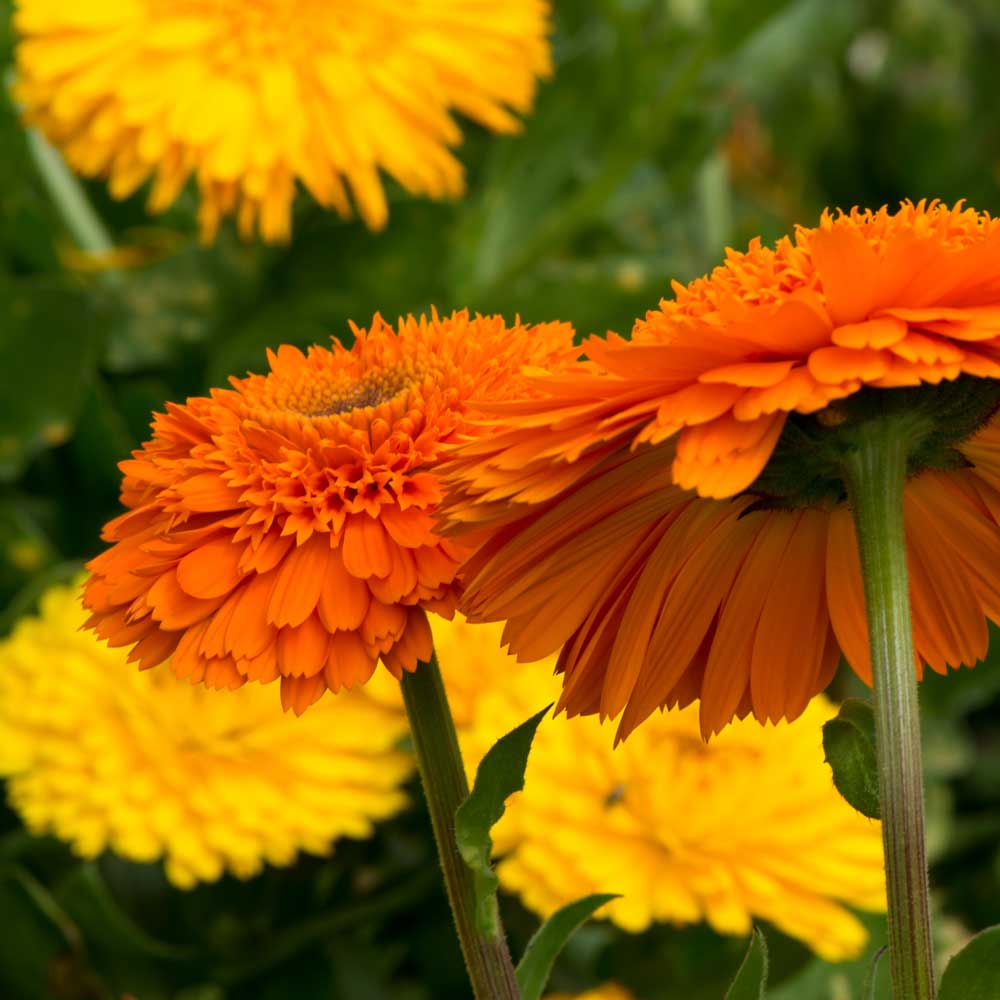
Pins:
x,y
104,756
609,991
748,826
250,96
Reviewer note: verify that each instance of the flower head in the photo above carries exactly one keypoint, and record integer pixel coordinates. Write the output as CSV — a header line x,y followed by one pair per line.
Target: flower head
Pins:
x,y
283,528
251,96
608,991
746,827
107,757
676,520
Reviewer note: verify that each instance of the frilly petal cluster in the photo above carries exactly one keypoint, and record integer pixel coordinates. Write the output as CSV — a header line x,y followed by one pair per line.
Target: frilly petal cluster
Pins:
x,y
624,515
284,528
250,99
746,827
105,757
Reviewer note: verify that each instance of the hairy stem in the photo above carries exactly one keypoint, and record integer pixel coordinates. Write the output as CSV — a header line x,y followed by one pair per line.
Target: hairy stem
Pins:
x,y
876,473
445,787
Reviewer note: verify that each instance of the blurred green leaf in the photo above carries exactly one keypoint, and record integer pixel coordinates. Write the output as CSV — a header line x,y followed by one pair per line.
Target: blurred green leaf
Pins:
x,y
549,940
974,973
861,978
849,745
751,980
49,339
500,774
85,896
871,980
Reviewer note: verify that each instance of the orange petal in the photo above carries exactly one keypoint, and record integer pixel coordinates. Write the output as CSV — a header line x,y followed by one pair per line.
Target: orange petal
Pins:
x,y
249,632
207,492
212,569
348,662
411,527
174,608
343,601
298,693
835,365
875,333
750,374
300,581
845,593
302,650
365,548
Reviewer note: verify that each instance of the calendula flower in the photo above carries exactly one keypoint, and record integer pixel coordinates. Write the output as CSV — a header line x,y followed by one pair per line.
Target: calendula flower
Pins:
x,y
748,826
249,98
608,991
284,527
677,521
105,757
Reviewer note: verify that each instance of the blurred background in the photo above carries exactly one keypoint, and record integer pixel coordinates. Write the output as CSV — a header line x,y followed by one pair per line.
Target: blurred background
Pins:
x,y
670,129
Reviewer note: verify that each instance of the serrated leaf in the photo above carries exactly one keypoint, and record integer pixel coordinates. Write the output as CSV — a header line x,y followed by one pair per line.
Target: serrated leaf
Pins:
x,y
751,980
849,746
974,973
549,940
500,774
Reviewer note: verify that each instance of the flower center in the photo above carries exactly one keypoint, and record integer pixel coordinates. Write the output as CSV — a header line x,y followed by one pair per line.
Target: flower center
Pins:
x,y
247,31
806,469
326,394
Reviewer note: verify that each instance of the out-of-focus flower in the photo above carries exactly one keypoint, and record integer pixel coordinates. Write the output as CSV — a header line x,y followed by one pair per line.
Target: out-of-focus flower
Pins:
x,y
748,826
676,521
105,757
251,97
283,528
608,991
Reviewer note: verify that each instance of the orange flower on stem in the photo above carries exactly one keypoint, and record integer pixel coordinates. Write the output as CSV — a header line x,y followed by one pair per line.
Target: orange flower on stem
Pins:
x,y
283,528
676,521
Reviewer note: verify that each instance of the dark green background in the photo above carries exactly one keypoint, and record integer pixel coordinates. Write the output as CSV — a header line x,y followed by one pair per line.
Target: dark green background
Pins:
x,y
669,130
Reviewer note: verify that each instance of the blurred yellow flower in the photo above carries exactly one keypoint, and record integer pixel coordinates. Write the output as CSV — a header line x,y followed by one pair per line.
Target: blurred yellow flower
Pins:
x,y
104,756
747,826
609,991
250,96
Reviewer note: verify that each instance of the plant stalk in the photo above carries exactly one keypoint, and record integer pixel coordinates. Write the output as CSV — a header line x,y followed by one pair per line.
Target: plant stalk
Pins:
x,y
876,474
445,787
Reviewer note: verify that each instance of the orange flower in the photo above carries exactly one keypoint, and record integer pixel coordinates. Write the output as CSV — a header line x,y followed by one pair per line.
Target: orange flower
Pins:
x,y
673,521
283,528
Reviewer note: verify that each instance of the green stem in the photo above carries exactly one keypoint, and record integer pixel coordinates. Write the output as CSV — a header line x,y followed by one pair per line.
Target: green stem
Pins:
x,y
445,787
66,192
875,474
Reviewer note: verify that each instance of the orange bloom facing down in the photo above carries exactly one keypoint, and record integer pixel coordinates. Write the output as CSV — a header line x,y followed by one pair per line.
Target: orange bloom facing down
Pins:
x,y
672,520
283,527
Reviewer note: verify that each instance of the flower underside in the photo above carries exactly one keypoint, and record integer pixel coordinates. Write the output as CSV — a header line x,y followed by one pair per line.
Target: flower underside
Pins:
x,y
806,466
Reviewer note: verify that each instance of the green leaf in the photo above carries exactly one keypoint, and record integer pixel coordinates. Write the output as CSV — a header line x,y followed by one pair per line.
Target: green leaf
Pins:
x,y
500,773
974,973
751,980
849,745
49,339
90,903
536,964
871,980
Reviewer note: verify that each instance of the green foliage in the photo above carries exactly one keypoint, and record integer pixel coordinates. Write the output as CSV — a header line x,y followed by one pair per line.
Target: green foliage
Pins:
x,y
751,980
500,774
670,129
974,973
849,745
549,940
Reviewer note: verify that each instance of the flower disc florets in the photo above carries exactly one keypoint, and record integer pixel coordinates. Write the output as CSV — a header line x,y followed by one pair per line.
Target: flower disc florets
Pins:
x,y
284,527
